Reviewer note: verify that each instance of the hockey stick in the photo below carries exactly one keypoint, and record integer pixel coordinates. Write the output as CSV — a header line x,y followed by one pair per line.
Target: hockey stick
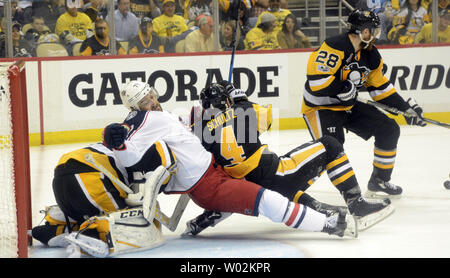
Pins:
x,y
233,45
169,222
396,111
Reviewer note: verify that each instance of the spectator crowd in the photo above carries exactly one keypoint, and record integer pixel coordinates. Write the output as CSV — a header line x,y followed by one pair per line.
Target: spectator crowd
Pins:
x,y
80,28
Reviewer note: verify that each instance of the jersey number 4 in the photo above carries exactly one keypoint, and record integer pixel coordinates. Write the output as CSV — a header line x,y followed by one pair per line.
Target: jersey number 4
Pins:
x,y
229,148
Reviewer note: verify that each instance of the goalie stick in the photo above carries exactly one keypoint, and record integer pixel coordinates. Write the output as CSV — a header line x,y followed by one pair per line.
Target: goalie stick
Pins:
x,y
169,222
396,111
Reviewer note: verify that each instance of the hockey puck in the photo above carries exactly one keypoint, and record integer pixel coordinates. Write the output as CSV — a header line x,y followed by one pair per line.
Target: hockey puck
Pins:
x,y
447,184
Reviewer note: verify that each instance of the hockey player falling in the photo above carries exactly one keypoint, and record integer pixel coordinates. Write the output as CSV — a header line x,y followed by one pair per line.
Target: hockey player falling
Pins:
x,y
336,70
229,126
154,142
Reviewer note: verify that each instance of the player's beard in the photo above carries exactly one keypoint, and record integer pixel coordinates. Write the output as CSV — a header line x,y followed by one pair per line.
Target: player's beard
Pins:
x,y
156,107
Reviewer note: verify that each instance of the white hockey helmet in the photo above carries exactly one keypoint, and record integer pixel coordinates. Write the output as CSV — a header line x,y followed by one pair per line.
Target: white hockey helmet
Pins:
x,y
134,92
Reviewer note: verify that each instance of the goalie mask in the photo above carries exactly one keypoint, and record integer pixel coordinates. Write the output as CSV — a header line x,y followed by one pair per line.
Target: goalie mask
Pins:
x,y
359,20
214,95
134,92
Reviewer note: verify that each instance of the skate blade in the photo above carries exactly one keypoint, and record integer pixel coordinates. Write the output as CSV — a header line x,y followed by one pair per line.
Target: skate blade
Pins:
x,y
352,226
363,223
380,195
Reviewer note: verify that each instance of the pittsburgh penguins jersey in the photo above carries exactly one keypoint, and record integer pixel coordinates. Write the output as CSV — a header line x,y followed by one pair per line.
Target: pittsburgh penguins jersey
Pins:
x,y
232,136
93,47
138,45
103,156
330,65
159,138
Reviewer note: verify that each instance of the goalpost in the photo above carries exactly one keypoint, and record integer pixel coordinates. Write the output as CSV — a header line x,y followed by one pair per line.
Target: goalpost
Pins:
x,y
15,195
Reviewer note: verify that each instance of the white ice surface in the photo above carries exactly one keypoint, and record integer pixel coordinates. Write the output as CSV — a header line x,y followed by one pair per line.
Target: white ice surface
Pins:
x,y
419,227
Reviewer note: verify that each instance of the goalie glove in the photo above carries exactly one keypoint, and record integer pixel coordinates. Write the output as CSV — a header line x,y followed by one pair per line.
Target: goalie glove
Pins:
x,y
415,110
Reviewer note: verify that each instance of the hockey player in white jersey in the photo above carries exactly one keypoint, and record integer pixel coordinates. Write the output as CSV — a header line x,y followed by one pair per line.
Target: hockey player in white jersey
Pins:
x,y
190,169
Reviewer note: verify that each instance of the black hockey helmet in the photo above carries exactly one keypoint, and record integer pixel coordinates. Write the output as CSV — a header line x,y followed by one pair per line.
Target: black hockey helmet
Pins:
x,y
214,95
358,20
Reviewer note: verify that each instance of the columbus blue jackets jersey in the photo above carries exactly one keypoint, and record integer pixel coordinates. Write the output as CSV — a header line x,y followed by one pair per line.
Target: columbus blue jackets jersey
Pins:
x,y
159,138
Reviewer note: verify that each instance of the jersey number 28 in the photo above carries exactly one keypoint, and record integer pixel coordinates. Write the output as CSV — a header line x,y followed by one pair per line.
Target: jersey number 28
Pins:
x,y
330,60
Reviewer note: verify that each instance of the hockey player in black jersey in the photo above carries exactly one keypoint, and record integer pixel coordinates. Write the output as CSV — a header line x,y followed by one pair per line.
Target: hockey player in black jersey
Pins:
x,y
230,127
336,70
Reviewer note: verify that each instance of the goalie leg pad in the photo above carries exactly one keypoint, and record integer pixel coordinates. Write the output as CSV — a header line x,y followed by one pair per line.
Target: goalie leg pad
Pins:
x,y
120,232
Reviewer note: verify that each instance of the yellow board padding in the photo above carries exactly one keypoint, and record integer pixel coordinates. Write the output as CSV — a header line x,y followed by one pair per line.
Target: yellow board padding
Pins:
x,y
67,137
95,135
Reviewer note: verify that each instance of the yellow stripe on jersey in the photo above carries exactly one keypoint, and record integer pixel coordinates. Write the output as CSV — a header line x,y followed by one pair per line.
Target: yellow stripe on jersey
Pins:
x,y
93,185
308,109
243,168
161,153
168,159
263,117
293,162
102,159
319,84
382,94
325,60
376,80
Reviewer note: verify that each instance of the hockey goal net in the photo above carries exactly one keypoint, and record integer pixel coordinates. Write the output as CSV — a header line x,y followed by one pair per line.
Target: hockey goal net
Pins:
x,y
15,199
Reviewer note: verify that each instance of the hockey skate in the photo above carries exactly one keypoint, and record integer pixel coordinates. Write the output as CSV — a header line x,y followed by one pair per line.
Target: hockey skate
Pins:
x,y
341,223
206,219
48,235
326,208
369,213
377,188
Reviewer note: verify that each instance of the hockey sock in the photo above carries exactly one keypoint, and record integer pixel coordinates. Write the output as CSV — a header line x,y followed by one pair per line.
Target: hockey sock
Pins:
x,y
279,209
341,174
383,163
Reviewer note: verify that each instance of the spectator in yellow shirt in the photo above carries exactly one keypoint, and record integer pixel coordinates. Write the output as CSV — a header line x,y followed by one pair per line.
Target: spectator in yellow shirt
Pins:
x,y
73,26
263,36
276,10
169,24
202,39
426,34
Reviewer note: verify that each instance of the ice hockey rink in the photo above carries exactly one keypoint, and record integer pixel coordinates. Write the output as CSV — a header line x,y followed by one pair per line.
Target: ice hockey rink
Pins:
x,y
419,227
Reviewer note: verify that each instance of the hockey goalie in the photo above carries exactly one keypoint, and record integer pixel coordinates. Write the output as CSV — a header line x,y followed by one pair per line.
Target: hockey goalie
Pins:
x,y
98,212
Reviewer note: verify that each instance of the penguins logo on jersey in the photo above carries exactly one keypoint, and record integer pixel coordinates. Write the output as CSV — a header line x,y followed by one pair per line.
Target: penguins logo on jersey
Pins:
x,y
362,70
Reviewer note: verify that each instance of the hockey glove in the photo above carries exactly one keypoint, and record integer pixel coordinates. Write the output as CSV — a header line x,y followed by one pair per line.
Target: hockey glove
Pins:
x,y
114,135
416,110
231,91
349,92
